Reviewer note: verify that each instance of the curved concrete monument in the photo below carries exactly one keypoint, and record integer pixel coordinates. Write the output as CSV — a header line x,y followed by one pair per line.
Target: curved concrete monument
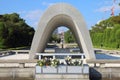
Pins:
x,y
57,15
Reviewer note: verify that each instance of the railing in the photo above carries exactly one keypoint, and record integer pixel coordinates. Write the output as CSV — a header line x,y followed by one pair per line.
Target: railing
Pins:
x,y
62,56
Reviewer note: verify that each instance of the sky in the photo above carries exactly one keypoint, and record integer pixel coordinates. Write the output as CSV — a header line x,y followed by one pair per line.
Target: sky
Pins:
x,y
31,10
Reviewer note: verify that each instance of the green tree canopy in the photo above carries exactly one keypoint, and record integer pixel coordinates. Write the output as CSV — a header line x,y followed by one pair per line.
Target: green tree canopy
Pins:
x,y
69,37
14,32
107,33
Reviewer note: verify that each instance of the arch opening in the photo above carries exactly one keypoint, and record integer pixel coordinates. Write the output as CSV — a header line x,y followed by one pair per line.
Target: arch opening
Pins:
x,y
55,22
61,40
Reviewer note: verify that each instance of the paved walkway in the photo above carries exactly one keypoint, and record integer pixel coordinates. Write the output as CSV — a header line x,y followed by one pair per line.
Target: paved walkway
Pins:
x,y
16,56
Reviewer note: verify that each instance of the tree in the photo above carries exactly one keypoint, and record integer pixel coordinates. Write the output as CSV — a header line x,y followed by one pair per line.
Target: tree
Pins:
x,y
69,37
14,32
54,38
117,36
107,33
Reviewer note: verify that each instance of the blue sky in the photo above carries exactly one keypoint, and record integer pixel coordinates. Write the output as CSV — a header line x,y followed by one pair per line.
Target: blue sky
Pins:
x,y
31,10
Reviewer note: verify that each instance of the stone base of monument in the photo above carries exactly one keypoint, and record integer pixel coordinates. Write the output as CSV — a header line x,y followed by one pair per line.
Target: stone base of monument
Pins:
x,y
62,73
62,77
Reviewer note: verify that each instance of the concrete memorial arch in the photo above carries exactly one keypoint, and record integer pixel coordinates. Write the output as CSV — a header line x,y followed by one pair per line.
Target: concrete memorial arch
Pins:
x,y
62,14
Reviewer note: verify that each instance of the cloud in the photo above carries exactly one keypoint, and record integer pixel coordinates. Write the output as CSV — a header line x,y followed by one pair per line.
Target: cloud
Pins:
x,y
107,8
107,5
108,2
33,15
47,4
22,12
117,7
35,24
103,9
